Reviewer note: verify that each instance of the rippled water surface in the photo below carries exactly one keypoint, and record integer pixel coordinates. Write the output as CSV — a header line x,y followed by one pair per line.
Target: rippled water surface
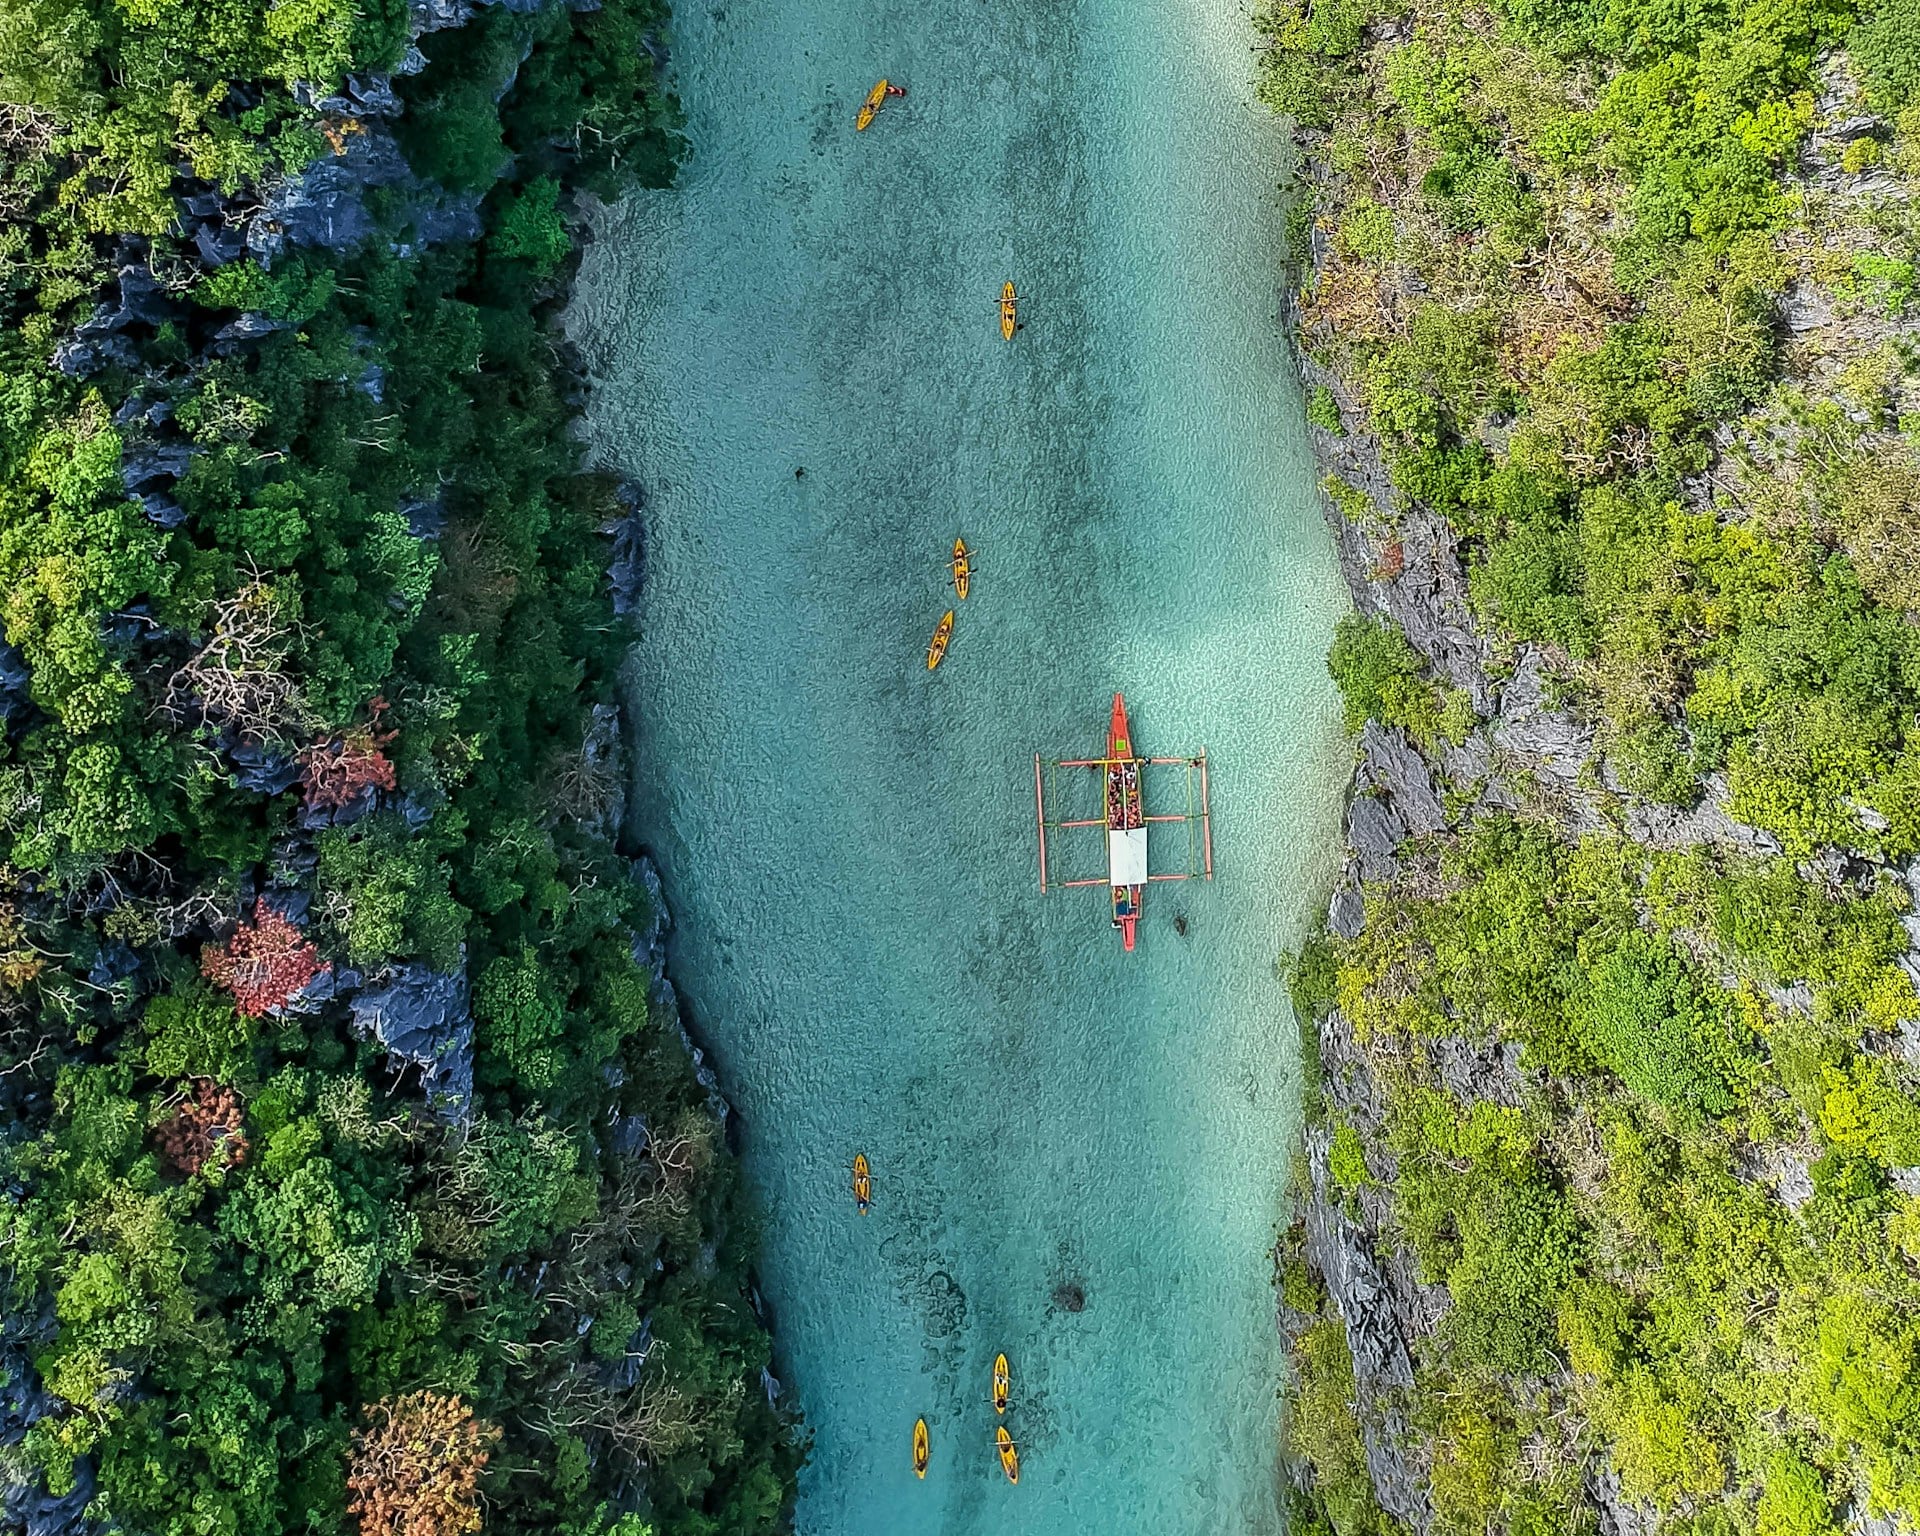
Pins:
x,y
849,841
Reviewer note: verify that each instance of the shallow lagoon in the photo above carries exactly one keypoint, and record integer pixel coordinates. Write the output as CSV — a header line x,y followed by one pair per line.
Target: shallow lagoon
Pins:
x,y
849,842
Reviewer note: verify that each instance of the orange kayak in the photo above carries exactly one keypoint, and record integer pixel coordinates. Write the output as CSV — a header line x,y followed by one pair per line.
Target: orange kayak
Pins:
x,y
962,568
868,108
941,638
862,1182
1002,1383
1009,310
919,1447
1009,1454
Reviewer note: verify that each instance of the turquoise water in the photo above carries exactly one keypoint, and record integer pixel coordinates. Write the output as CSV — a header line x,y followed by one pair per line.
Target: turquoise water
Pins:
x,y
849,841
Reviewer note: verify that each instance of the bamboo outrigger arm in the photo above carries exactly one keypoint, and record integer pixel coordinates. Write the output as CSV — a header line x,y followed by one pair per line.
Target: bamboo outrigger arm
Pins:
x,y
1198,818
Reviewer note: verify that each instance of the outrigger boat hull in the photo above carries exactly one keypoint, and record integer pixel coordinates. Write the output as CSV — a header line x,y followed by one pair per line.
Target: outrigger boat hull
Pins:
x,y
869,107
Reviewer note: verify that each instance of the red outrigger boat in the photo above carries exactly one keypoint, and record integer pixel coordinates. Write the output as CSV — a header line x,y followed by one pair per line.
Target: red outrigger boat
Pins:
x,y
1126,830
1124,815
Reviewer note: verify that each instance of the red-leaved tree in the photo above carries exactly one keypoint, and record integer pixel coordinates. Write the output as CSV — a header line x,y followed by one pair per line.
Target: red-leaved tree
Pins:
x,y
334,771
265,964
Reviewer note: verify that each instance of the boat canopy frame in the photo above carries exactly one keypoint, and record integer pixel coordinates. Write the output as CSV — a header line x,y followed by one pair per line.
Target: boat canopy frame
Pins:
x,y
1198,818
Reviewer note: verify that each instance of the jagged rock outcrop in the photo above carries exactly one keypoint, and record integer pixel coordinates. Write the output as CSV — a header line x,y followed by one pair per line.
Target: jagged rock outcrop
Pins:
x,y
1342,1253
423,1018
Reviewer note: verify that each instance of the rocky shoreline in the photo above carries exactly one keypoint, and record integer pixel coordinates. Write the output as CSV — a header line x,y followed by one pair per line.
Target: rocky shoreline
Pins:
x,y
1526,754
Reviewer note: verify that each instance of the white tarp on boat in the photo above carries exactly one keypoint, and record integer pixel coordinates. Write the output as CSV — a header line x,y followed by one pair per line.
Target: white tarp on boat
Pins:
x,y
1127,856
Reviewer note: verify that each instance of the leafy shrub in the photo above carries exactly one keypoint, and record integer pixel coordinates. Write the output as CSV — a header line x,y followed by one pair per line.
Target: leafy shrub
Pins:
x,y
522,1021
1381,677
1323,1435
1886,44
1652,1020
530,228
195,1032
1347,1160
1793,1501
1323,410
1354,504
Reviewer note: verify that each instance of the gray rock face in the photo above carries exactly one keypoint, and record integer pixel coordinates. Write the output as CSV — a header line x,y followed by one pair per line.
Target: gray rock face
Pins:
x,y
1667,826
16,682
627,565
1347,911
1346,1079
29,1510
1391,766
1382,1367
144,467
1857,1522
1373,832
1786,1171
1476,1071
1428,598
422,1017
424,16
1553,742
360,96
604,754
325,205
1617,1516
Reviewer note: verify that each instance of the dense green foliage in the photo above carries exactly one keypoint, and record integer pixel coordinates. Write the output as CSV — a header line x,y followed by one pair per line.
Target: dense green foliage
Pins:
x,y
315,713
1556,244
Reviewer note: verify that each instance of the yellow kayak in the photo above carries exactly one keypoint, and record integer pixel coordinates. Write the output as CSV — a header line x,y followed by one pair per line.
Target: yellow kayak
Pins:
x,y
872,105
962,568
941,636
1009,1454
862,1182
1002,1383
1009,302
919,1447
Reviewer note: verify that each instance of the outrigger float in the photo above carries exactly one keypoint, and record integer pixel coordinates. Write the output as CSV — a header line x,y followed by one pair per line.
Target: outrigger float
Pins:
x,y
1127,820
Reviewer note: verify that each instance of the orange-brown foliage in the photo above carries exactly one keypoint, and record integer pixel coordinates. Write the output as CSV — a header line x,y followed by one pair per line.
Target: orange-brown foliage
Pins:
x,y
416,1466
205,1129
336,770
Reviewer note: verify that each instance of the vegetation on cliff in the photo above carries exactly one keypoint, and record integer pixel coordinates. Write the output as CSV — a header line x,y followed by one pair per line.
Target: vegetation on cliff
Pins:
x,y
356,1170
1621,1047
